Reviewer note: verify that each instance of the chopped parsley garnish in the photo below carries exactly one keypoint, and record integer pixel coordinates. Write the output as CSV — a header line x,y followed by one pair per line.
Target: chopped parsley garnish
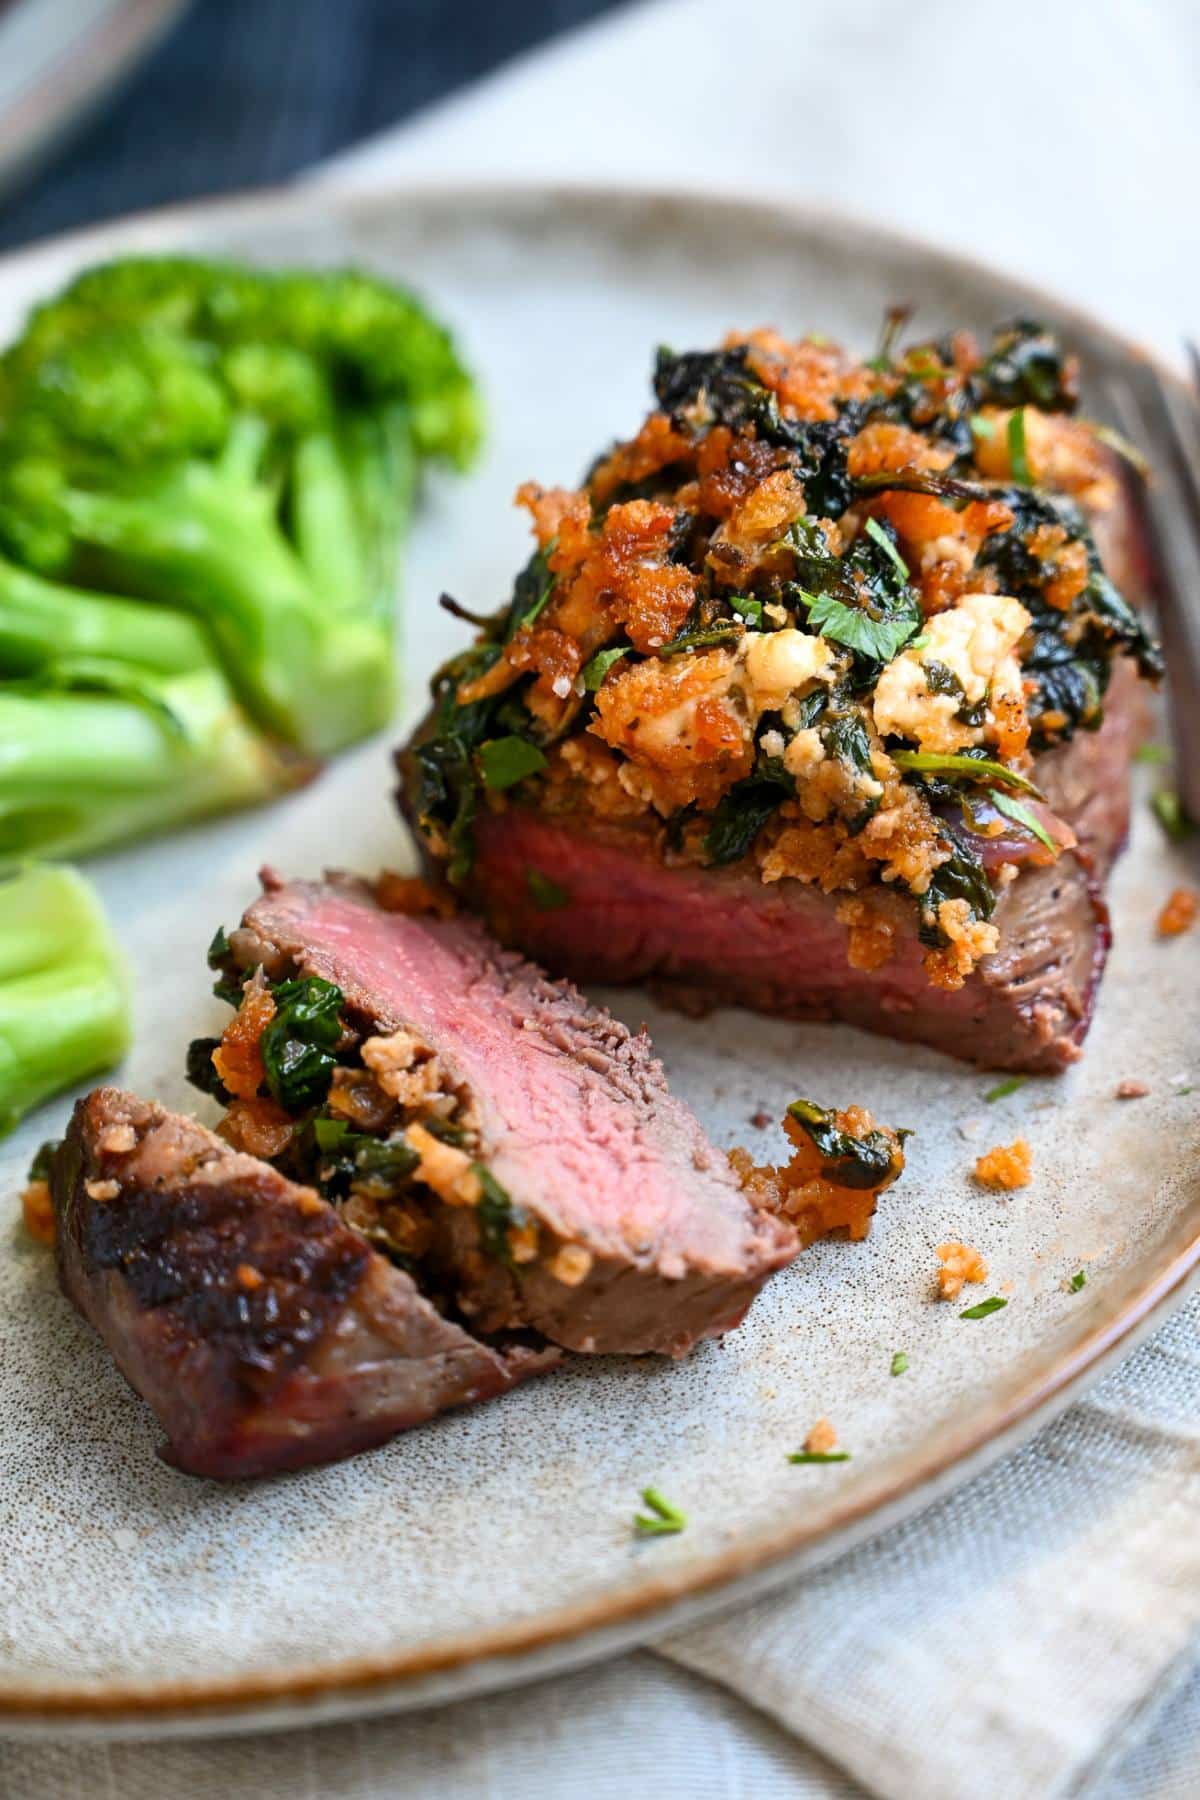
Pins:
x,y
856,629
507,760
1018,456
979,768
1078,1280
330,1133
746,607
1021,815
1168,810
1003,1089
900,1362
663,1519
982,428
887,545
546,895
985,1308
597,668
820,1456
1152,753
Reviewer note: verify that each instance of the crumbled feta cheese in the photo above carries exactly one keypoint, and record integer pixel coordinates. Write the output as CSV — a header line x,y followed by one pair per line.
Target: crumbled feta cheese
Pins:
x,y
803,753
771,743
975,640
778,663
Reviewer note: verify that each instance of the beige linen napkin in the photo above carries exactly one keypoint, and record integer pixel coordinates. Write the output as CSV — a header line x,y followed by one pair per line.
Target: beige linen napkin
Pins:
x,y
1013,1637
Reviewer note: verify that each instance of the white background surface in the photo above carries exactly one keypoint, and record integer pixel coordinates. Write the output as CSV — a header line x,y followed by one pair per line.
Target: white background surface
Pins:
x,y
1056,137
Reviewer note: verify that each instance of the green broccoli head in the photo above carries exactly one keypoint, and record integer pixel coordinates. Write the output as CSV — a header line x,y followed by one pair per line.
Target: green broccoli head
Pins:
x,y
238,444
153,357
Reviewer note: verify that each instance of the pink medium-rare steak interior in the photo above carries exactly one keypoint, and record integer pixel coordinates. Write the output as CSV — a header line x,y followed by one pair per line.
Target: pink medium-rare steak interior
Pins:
x,y
709,935
576,1121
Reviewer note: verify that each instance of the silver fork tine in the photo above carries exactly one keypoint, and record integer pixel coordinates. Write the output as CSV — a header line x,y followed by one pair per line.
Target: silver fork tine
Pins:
x,y
1171,513
1194,365
1179,431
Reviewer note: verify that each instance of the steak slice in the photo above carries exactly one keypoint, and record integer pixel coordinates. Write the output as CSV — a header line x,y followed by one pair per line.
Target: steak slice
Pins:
x,y
702,936
644,1240
263,1331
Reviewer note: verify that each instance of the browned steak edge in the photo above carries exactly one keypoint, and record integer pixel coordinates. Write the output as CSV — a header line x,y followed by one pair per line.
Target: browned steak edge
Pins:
x,y
321,1350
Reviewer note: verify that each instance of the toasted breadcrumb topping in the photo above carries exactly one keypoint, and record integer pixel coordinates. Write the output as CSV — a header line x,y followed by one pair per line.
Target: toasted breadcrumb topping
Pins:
x,y
804,571
1006,1166
571,1264
409,894
238,1057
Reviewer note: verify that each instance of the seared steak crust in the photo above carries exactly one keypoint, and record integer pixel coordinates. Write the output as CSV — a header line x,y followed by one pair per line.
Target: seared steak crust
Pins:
x,y
575,1122
705,936
264,1332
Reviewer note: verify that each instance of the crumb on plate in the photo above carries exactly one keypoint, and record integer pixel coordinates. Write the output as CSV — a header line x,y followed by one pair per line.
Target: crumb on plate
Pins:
x,y
37,1211
1179,913
1006,1166
821,1439
960,1263
1132,1090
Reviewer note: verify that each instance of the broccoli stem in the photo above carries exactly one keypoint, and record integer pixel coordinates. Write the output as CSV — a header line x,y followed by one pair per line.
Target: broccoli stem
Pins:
x,y
64,1009
200,540
43,621
382,459
79,770
325,523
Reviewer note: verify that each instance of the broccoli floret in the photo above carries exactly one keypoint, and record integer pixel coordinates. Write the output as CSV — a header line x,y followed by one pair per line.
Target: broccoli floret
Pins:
x,y
235,445
64,1010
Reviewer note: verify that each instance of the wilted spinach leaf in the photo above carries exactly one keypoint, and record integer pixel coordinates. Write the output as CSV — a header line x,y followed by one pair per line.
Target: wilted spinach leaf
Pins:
x,y
741,814
297,1045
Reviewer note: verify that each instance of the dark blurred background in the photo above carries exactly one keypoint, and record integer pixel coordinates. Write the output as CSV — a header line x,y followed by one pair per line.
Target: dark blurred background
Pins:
x,y
250,91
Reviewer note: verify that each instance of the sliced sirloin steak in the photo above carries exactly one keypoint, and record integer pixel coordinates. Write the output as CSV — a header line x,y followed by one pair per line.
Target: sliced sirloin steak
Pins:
x,y
769,695
705,936
264,1332
574,1122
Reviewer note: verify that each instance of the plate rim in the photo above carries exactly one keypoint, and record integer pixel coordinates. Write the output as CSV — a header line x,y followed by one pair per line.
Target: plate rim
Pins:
x,y
475,1662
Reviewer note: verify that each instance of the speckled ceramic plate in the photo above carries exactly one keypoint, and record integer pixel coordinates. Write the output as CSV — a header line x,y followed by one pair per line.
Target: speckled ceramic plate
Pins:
x,y
495,1545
